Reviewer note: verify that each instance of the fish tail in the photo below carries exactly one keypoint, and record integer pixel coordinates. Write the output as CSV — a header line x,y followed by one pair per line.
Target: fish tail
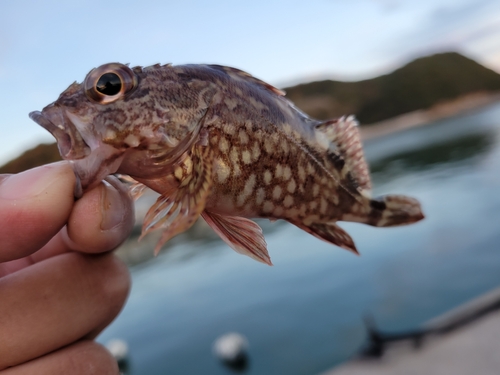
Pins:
x,y
394,210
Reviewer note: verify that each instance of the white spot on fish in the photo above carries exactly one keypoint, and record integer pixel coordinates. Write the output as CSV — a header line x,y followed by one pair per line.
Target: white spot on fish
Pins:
x,y
310,168
315,190
246,157
229,129
267,177
247,190
258,135
278,211
248,126
323,206
231,103
285,147
268,207
287,173
302,173
110,134
310,219
223,145
334,198
233,156
236,169
146,132
222,170
291,186
131,140
277,192
275,137
287,129
258,105
243,137
260,196
268,146
288,201
279,171
255,151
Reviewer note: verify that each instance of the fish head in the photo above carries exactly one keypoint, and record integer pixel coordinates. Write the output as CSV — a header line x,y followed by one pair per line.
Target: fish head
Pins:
x,y
118,119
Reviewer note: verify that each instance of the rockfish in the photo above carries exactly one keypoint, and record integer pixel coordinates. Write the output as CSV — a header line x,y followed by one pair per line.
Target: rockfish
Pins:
x,y
216,142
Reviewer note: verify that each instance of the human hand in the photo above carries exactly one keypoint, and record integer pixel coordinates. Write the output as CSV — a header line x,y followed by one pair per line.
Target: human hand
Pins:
x,y
58,286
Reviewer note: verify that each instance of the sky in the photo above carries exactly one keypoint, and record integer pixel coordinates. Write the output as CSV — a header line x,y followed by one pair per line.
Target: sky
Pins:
x,y
45,46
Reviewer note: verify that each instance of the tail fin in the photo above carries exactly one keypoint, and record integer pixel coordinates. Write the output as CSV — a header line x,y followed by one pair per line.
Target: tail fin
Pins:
x,y
393,210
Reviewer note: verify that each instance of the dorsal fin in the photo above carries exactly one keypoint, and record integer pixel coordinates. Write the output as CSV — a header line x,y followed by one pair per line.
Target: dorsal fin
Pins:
x,y
240,74
346,141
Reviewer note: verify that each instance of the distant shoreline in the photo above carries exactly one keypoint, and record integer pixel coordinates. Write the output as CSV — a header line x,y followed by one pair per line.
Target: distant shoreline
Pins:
x,y
421,117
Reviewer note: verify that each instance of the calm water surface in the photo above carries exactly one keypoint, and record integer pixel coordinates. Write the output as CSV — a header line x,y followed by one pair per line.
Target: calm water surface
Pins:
x,y
305,314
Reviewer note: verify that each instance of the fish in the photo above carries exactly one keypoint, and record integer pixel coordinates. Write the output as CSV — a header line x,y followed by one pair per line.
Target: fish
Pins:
x,y
215,142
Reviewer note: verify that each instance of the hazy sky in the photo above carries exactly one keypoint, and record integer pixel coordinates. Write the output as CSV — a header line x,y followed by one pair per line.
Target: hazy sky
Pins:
x,y
45,46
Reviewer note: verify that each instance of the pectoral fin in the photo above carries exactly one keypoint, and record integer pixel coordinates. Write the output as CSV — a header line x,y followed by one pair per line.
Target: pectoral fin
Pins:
x,y
243,235
332,233
177,210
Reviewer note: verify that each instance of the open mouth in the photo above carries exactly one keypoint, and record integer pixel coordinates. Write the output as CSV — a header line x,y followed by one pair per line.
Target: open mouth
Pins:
x,y
70,142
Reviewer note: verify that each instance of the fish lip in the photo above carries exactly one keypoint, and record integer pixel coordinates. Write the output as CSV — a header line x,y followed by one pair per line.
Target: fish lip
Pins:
x,y
90,165
69,140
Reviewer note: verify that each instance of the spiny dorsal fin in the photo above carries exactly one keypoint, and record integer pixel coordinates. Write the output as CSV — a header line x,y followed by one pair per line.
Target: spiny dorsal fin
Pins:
x,y
344,135
240,74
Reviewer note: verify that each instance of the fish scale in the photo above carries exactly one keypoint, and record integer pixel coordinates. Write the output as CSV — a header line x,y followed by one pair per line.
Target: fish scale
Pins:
x,y
216,142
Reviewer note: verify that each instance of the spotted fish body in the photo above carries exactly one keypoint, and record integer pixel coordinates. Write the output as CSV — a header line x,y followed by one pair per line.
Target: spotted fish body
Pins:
x,y
218,143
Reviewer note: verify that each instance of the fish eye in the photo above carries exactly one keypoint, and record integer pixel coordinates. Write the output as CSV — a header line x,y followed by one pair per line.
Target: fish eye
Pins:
x,y
109,83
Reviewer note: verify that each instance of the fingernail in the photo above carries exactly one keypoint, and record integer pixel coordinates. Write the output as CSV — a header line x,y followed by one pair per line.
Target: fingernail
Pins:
x,y
113,209
28,184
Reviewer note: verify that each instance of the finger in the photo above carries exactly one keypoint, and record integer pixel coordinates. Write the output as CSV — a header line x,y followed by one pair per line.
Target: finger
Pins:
x,y
81,358
103,220
58,301
100,221
109,205
35,205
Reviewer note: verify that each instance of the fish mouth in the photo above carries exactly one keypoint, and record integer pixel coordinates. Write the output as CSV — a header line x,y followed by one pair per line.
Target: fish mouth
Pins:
x,y
90,159
69,140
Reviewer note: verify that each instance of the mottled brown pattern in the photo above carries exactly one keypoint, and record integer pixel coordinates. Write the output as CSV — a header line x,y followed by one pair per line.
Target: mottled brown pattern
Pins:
x,y
269,159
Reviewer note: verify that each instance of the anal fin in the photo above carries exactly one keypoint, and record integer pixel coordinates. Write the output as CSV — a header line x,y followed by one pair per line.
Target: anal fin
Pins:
x,y
330,232
243,235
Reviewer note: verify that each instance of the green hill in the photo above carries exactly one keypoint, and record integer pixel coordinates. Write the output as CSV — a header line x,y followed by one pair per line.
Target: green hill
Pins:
x,y
417,85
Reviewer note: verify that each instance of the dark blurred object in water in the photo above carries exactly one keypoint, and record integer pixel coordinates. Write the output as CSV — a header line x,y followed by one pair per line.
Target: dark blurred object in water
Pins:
x,y
379,340
231,349
119,350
